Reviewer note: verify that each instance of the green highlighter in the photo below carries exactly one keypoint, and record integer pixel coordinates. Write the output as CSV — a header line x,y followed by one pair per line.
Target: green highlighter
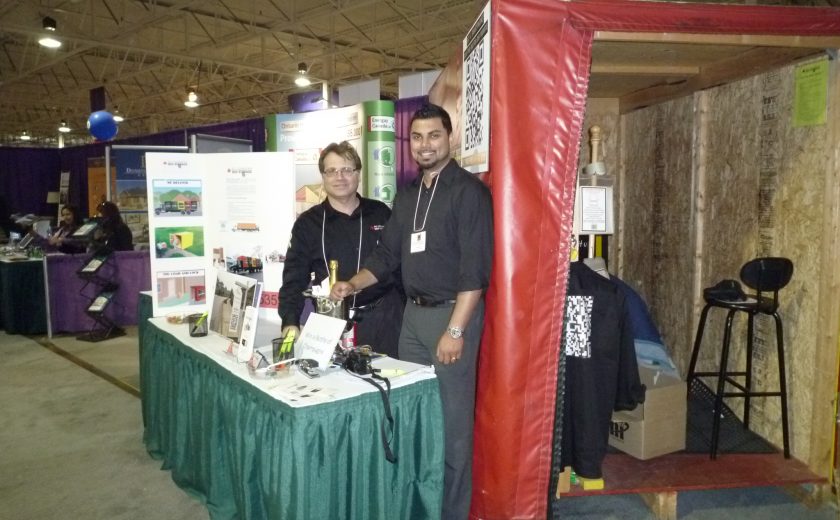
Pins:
x,y
283,350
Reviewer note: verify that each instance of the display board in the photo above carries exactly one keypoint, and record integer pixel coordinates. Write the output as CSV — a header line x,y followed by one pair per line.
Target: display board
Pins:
x,y
227,211
368,126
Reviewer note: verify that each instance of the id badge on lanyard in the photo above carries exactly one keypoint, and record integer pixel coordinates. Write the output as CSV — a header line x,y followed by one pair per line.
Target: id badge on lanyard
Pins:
x,y
418,242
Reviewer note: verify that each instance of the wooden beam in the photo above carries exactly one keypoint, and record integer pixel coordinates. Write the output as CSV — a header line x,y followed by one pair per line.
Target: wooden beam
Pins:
x,y
645,70
825,377
750,40
663,505
749,63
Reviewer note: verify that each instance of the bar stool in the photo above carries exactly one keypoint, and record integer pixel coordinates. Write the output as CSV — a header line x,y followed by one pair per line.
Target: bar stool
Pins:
x,y
764,275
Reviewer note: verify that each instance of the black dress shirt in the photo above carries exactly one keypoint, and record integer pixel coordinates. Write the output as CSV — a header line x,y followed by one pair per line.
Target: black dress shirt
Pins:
x,y
456,213
341,242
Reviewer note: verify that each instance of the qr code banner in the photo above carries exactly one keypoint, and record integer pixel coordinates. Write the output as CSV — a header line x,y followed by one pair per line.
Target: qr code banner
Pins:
x,y
475,109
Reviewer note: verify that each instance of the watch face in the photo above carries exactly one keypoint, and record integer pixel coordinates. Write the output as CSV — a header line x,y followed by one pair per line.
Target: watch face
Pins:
x,y
455,332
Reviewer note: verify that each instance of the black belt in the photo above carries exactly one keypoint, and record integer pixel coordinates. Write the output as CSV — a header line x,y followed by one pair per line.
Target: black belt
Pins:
x,y
421,301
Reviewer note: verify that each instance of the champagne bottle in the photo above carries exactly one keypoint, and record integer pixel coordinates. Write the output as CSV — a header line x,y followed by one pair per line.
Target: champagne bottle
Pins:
x,y
333,272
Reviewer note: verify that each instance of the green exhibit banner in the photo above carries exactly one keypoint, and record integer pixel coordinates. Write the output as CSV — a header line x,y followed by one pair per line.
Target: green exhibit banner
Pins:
x,y
378,139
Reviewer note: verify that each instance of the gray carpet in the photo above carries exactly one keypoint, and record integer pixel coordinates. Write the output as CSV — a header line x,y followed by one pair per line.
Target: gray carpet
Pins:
x,y
72,445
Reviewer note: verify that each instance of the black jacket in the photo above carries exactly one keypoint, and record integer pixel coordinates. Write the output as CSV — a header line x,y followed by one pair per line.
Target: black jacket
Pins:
x,y
601,371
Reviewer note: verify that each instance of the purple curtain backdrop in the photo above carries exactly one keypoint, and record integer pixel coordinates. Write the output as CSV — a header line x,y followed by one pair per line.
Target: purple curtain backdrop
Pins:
x,y
27,174
403,110
70,295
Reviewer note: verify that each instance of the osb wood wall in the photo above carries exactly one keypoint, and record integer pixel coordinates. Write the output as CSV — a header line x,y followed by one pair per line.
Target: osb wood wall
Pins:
x,y
694,174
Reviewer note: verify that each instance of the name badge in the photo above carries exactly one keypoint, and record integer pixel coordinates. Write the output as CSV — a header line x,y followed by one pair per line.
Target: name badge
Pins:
x,y
418,242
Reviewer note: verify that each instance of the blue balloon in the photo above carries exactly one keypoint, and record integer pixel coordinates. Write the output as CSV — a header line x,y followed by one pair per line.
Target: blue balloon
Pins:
x,y
101,125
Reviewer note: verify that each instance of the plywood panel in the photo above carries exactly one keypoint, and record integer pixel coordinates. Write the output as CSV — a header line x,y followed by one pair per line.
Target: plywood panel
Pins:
x,y
763,188
658,253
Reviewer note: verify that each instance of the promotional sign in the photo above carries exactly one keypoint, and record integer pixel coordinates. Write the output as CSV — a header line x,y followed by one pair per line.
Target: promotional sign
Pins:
x,y
380,155
211,213
368,127
128,187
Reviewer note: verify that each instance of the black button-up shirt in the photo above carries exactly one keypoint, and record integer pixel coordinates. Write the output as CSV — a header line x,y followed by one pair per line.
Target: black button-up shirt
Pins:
x,y
341,242
456,213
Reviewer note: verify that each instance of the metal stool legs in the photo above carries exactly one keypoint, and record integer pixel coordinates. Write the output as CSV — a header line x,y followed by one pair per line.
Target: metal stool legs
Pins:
x,y
724,375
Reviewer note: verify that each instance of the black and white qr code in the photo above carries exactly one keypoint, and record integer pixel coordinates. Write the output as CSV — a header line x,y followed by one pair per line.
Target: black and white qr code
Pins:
x,y
579,326
474,98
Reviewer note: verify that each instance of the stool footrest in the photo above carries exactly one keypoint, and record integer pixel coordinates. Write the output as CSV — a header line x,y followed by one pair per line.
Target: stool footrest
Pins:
x,y
752,394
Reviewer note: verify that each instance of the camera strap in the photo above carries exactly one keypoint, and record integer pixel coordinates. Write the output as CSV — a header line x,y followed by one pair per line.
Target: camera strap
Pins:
x,y
387,424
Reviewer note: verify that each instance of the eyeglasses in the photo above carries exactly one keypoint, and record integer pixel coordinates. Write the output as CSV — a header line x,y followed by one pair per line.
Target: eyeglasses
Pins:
x,y
345,171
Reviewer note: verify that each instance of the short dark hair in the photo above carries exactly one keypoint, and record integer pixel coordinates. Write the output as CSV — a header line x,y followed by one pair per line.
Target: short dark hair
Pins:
x,y
431,111
343,149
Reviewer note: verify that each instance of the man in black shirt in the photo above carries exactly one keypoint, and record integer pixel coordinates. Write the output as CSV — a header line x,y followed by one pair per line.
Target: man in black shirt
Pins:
x,y
441,236
345,227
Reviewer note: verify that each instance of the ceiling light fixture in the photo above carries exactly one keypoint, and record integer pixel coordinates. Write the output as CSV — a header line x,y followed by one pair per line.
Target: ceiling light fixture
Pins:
x,y
192,100
302,80
47,40
64,128
117,116
25,136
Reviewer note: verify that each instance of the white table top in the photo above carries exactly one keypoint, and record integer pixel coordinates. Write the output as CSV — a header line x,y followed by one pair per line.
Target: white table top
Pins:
x,y
296,389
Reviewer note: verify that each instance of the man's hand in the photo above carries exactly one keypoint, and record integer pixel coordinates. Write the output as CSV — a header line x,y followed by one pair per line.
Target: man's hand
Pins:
x,y
449,350
287,328
341,290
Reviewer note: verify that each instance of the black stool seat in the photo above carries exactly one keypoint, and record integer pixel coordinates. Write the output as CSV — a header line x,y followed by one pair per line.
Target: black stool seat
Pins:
x,y
766,276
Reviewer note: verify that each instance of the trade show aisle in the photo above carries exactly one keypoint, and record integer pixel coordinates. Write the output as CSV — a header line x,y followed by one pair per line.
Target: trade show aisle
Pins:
x,y
74,447
72,443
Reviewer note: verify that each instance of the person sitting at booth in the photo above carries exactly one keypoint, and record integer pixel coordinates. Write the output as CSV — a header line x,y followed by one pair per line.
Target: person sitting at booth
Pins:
x,y
113,233
60,239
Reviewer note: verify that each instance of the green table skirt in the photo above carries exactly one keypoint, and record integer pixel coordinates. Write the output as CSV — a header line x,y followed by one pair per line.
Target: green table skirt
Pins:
x,y
248,455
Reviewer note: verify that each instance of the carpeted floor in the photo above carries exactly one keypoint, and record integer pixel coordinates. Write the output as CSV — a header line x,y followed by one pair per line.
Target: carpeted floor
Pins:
x,y
72,448
72,442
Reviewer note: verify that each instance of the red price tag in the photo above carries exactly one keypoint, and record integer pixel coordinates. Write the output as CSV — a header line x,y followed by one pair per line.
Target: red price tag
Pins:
x,y
269,300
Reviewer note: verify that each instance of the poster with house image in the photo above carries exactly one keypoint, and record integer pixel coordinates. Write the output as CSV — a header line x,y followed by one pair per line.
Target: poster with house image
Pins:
x,y
131,195
231,295
180,288
179,242
177,197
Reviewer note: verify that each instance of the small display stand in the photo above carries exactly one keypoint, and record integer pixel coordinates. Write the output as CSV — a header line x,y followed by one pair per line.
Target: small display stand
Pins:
x,y
100,271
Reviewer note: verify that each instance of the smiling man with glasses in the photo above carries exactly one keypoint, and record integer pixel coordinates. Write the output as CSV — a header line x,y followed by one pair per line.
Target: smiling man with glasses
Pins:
x,y
345,227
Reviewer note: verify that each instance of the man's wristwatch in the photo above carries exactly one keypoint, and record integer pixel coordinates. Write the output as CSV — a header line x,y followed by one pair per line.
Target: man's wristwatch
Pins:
x,y
455,332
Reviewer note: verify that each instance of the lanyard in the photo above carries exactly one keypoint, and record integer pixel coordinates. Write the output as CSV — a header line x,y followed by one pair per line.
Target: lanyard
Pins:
x,y
428,207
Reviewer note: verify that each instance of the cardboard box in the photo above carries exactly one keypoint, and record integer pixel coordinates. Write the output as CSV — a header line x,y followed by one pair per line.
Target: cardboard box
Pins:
x,y
657,426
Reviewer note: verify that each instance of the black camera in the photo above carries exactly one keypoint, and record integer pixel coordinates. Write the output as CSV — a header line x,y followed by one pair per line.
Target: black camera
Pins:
x,y
358,362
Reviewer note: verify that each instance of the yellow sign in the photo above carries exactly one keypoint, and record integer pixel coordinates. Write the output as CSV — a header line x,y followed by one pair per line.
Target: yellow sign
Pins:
x,y
811,93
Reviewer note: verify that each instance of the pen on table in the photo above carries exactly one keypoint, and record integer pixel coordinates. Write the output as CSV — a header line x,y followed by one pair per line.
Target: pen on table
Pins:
x,y
199,322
